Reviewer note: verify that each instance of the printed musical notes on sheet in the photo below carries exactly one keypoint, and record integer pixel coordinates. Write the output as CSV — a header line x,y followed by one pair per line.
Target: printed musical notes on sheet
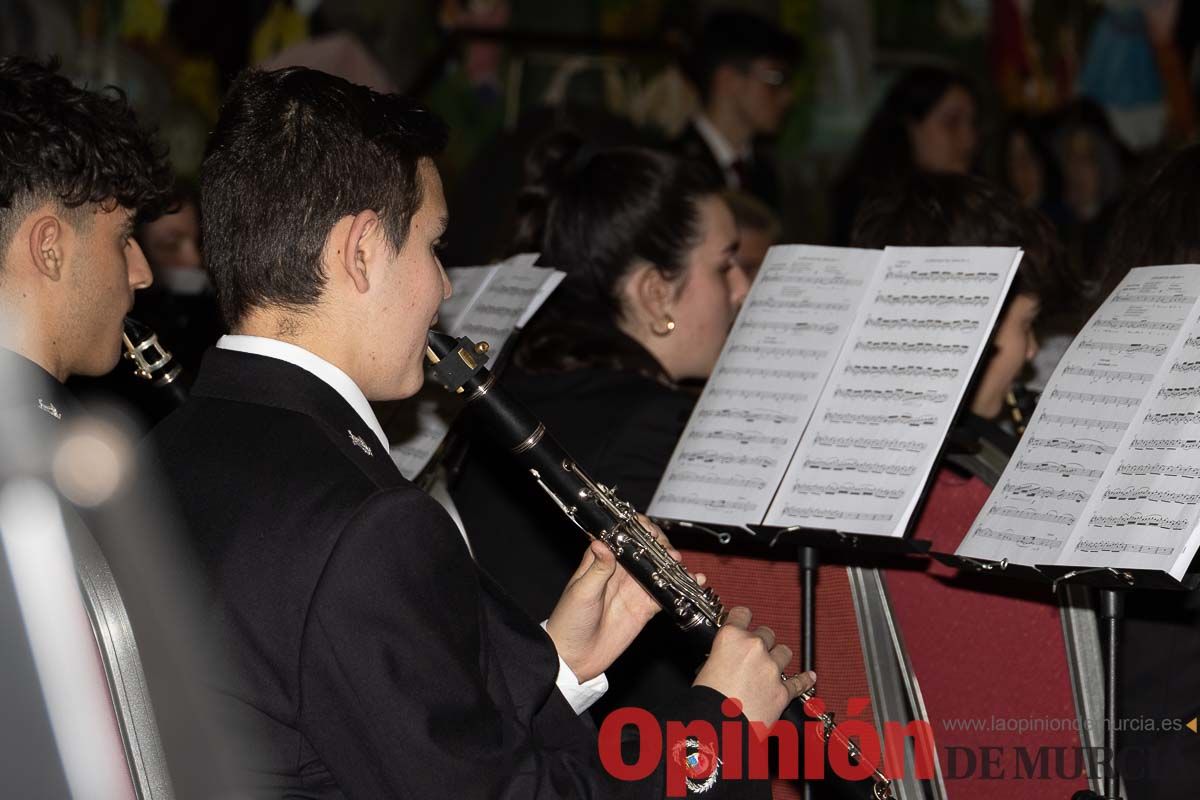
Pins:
x,y
1104,475
836,387
776,361
863,462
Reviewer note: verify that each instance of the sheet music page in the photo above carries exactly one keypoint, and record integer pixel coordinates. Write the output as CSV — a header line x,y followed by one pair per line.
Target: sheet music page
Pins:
x,y
1144,510
488,304
863,462
745,426
1088,404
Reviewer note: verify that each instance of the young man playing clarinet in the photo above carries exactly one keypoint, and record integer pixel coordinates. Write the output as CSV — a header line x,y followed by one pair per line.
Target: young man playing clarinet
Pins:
x,y
76,174
371,657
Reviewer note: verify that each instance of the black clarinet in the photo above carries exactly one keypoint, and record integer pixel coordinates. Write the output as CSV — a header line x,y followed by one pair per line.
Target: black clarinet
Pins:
x,y
152,362
458,364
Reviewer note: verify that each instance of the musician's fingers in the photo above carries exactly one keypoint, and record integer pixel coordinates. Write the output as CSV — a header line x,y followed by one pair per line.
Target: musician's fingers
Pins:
x,y
701,578
738,617
800,683
589,557
658,534
767,635
782,655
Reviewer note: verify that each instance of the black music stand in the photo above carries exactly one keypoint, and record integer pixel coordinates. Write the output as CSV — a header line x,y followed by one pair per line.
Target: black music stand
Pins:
x,y
1112,583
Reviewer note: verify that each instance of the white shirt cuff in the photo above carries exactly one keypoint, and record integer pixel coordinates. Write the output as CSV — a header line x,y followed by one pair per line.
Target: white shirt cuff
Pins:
x,y
581,696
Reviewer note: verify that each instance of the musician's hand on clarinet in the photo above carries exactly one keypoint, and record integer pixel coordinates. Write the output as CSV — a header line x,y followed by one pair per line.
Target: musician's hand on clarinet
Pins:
x,y
747,665
602,610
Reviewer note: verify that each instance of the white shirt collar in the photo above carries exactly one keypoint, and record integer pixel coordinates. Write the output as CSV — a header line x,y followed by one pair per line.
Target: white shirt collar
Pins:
x,y
721,149
337,380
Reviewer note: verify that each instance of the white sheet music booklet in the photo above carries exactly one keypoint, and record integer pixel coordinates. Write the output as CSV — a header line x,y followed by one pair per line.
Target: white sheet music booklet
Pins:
x,y
836,387
488,304
1106,475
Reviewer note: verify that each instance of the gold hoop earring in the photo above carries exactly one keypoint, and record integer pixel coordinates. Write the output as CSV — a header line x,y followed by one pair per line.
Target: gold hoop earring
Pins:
x,y
668,326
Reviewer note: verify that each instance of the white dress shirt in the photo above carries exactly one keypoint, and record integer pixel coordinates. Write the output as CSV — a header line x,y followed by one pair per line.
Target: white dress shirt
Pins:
x,y
722,150
581,696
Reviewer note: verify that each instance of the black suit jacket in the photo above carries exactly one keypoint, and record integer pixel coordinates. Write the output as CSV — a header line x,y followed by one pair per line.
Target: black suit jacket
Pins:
x,y
761,179
373,659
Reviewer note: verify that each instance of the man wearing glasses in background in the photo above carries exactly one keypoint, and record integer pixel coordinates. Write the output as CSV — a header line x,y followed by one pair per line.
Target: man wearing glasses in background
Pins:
x,y
741,66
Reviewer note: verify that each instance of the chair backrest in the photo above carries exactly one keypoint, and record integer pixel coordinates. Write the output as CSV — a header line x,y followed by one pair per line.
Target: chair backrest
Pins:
x,y
122,667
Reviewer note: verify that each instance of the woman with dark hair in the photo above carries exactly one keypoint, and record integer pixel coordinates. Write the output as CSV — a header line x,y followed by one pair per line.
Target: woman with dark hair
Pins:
x,y
652,289
1159,224
927,121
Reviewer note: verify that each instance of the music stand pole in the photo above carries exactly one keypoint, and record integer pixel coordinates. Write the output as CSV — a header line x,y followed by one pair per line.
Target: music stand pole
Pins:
x,y
1112,609
809,561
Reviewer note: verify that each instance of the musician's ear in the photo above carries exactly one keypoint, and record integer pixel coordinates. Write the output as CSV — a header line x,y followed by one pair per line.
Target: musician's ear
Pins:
x,y
650,291
364,243
47,242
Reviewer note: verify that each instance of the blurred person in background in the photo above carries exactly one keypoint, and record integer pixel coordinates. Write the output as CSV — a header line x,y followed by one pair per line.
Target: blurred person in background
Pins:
x,y
1092,161
927,121
181,306
1025,164
742,66
758,229
77,173
1159,223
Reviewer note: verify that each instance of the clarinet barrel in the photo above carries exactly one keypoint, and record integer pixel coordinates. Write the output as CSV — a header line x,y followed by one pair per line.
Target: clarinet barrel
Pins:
x,y
459,365
154,363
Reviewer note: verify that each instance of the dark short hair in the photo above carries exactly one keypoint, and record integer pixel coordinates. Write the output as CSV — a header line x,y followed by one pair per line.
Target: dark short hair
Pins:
x,y
928,209
1159,223
63,143
294,151
595,213
735,37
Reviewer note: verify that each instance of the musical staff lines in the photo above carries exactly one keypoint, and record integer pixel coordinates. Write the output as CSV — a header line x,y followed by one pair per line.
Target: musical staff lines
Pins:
x,y
774,350
740,437
809,512
718,480
719,457
748,415
1109,375
901,371
1096,399
798,305
1072,445
932,299
1122,348
941,276
890,324
1017,512
934,348
912,420
761,394
1038,491
1019,539
768,372
1066,470
870,443
1070,421
858,465
892,395
848,489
